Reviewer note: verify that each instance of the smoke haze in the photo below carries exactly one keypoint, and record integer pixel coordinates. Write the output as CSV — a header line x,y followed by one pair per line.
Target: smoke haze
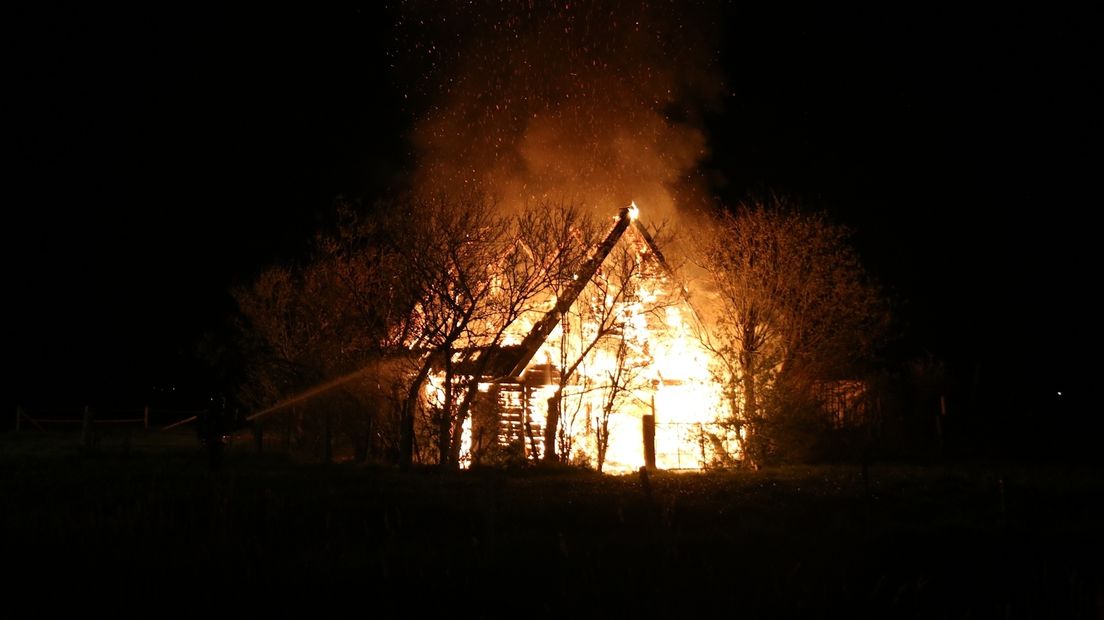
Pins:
x,y
591,103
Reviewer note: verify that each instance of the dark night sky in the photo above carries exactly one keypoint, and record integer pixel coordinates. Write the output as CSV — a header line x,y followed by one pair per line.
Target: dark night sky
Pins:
x,y
162,156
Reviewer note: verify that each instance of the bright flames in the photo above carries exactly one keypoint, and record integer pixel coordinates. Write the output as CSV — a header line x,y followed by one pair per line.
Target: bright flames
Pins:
x,y
652,363
628,348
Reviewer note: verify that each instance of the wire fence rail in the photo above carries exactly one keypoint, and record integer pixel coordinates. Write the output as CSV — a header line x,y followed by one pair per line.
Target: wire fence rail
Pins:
x,y
158,427
88,418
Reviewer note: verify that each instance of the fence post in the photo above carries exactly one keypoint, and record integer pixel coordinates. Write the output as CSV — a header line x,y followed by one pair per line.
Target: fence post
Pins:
x,y
327,438
701,445
145,418
939,420
648,426
86,427
287,430
258,436
18,417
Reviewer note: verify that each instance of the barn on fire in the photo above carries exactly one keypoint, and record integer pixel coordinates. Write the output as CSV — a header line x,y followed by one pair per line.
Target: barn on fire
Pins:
x,y
612,373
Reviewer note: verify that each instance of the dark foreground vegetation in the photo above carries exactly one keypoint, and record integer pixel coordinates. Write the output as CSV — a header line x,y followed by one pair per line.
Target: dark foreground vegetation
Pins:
x,y
147,513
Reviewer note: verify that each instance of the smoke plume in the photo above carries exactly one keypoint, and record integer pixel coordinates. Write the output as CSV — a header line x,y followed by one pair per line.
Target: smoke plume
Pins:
x,y
592,103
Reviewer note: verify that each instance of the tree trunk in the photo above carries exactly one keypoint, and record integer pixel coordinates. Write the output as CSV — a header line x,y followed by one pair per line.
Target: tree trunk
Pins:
x,y
406,420
444,419
462,413
406,431
364,450
551,424
751,403
603,436
647,427
747,365
751,406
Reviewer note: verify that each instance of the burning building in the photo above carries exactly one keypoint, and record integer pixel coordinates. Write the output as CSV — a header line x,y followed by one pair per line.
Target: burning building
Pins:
x,y
611,372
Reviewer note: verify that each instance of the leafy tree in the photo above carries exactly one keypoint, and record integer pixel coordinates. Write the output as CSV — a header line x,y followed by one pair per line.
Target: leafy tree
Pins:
x,y
791,306
323,328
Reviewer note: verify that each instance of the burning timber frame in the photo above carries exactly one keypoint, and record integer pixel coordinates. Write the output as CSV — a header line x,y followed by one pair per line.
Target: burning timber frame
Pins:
x,y
519,394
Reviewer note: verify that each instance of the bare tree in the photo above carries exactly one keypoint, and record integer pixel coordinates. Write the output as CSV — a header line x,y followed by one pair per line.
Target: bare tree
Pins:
x,y
619,385
474,272
448,245
541,250
596,321
428,282
793,305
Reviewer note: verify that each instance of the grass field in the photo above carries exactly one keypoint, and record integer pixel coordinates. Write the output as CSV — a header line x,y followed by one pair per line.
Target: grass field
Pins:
x,y
145,513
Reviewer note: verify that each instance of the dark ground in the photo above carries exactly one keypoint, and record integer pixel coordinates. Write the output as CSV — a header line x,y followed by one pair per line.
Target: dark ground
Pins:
x,y
981,539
